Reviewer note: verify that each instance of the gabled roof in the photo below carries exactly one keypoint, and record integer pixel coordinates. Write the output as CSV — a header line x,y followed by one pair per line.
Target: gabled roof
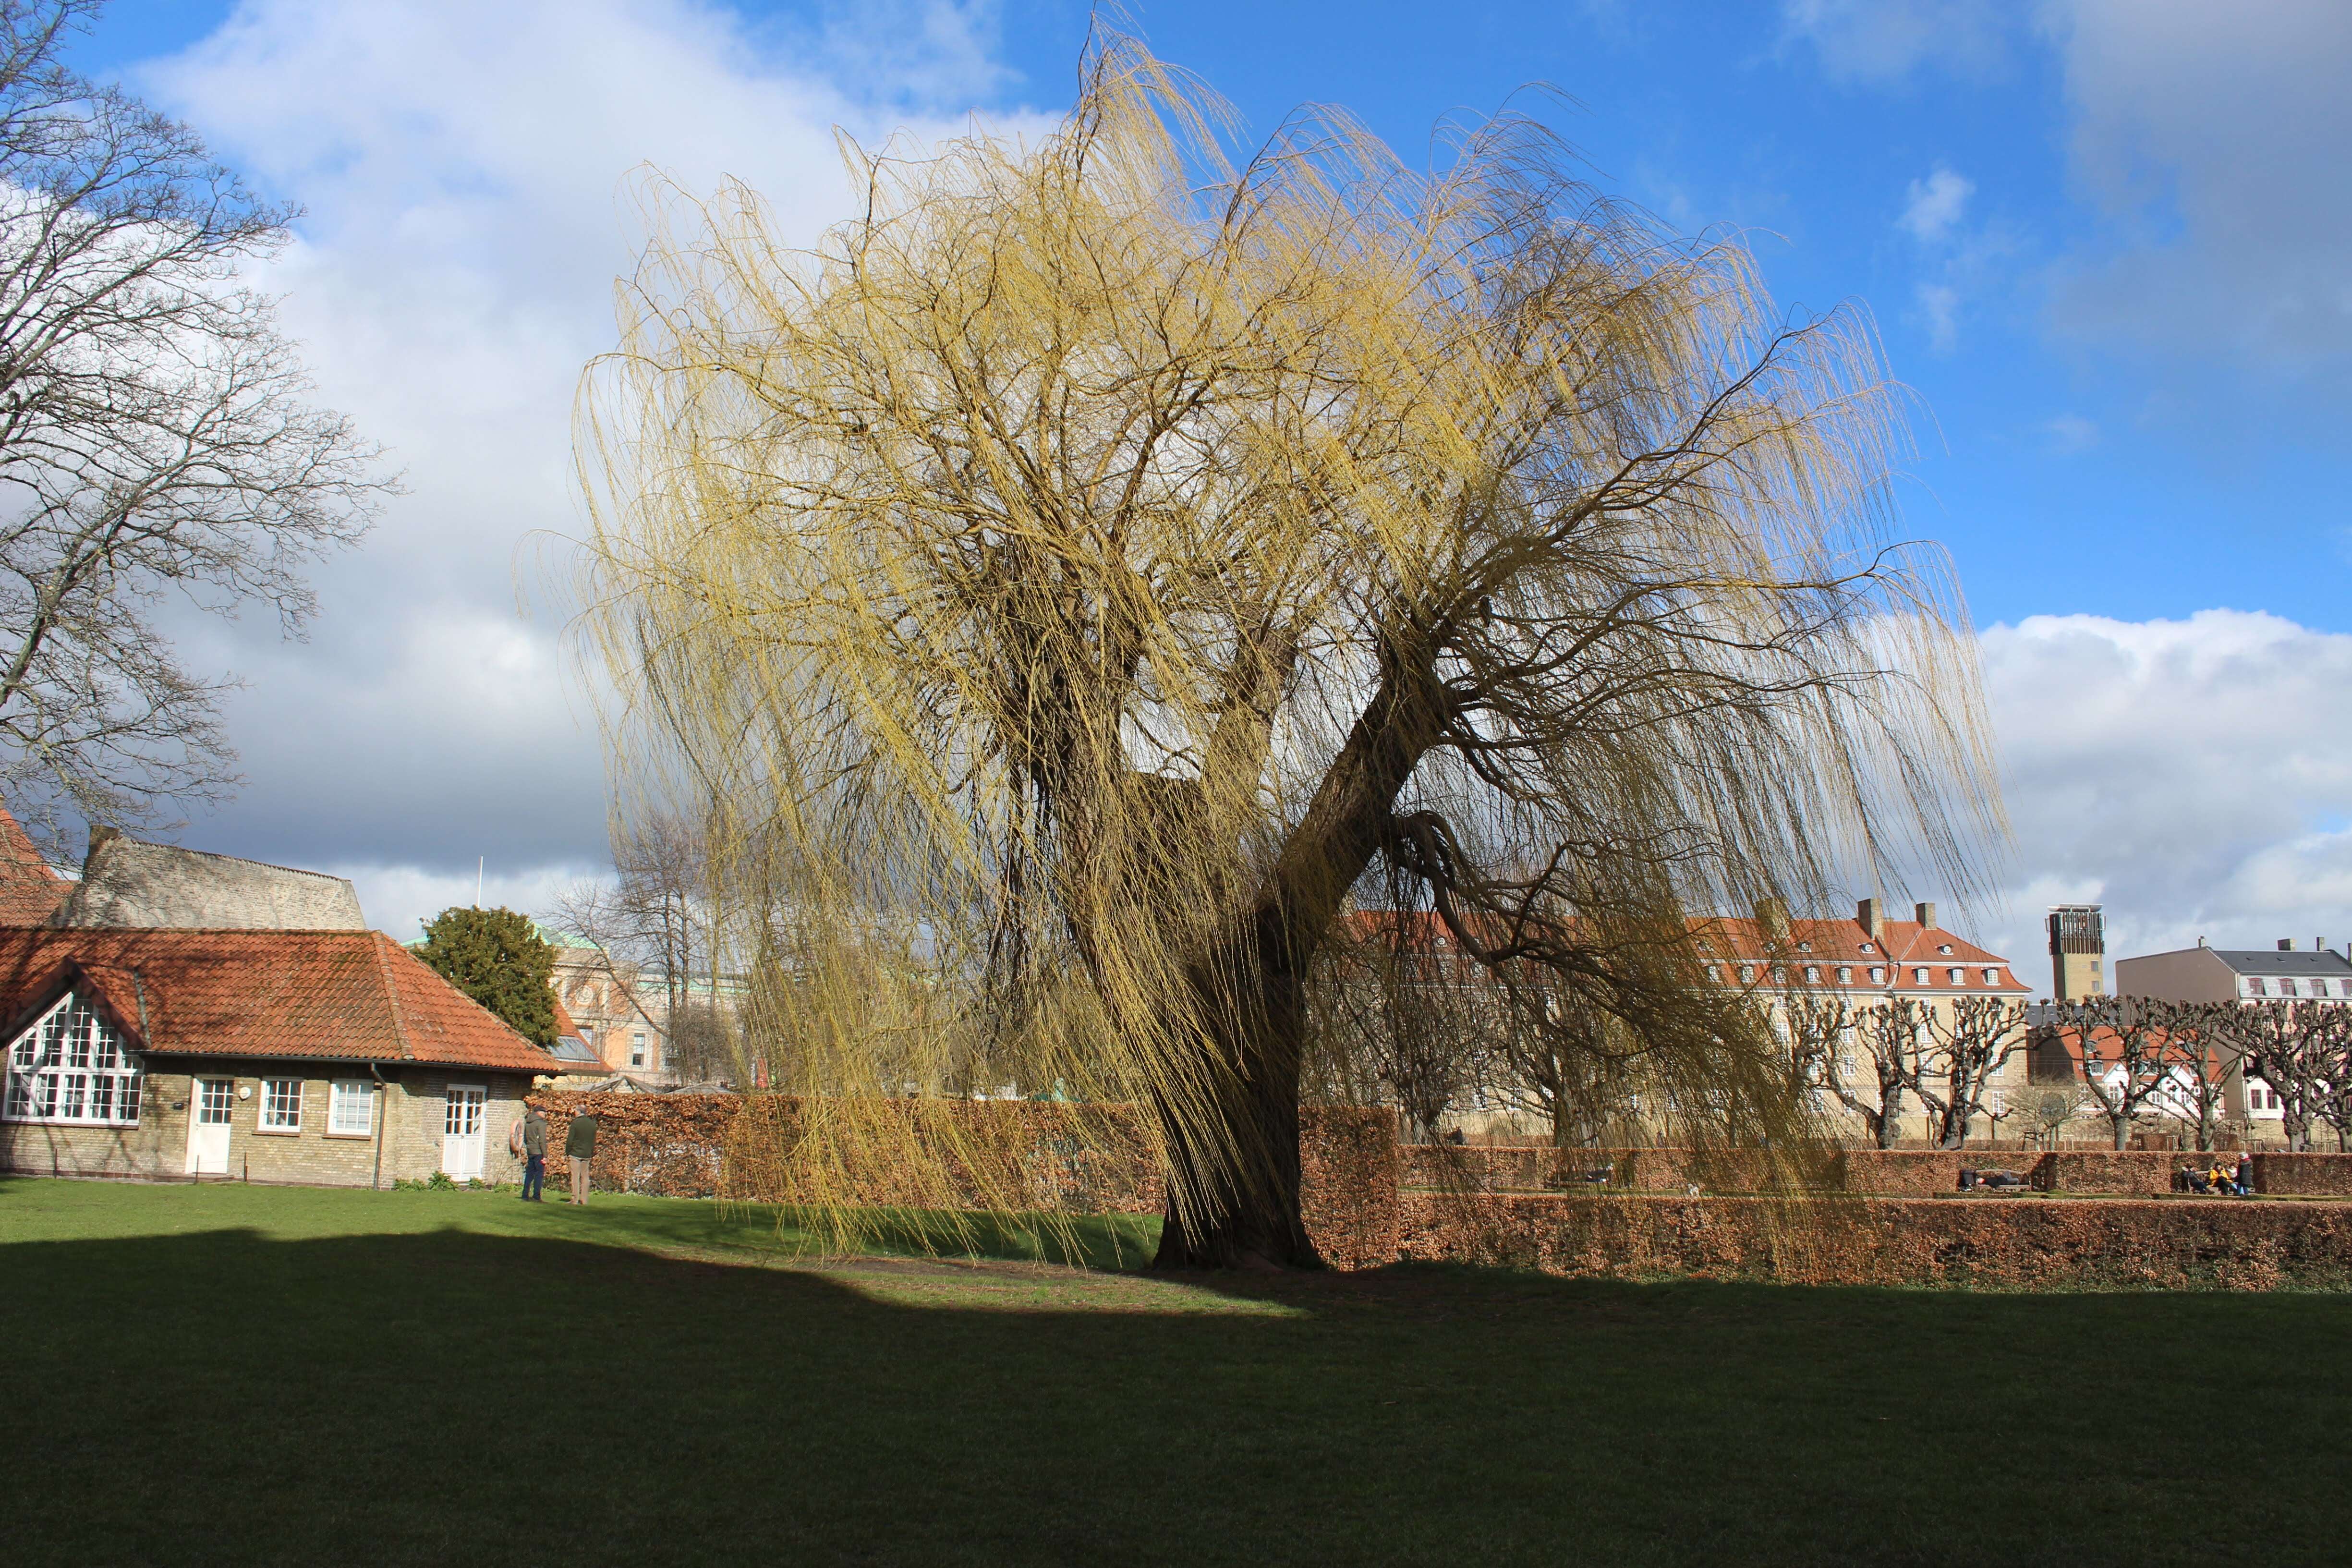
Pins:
x,y
127,882
1906,946
319,995
30,891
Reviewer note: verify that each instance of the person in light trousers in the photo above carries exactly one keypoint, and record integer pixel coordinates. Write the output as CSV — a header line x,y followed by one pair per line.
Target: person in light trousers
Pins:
x,y
580,1147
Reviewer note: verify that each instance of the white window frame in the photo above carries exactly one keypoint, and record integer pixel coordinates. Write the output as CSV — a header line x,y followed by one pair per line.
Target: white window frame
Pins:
x,y
266,1114
338,1098
66,1064
637,1048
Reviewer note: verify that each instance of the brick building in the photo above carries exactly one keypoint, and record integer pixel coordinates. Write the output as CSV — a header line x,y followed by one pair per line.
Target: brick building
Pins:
x,y
326,1056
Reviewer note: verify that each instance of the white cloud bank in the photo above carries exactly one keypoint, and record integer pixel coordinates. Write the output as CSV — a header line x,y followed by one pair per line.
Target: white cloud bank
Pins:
x,y
464,169
2193,775
462,165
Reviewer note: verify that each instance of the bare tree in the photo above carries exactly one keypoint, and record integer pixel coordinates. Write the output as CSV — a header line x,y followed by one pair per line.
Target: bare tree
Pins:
x,y
1967,1046
2125,1055
1104,553
2295,1047
1410,1009
1890,1036
656,920
156,437
2207,1055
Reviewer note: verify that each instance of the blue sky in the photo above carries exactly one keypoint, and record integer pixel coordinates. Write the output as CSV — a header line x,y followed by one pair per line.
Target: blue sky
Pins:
x,y
2104,242
2116,471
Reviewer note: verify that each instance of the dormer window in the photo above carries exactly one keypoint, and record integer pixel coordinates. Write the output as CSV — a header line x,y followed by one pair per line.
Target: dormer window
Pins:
x,y
1877,975
1992,977
1804,947
1846,975
70,1067
1957,976
1945,948
1918,977
1812,975
1867,948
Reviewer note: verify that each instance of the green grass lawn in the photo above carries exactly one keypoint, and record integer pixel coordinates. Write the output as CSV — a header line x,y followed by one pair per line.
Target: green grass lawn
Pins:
x,y
228,1373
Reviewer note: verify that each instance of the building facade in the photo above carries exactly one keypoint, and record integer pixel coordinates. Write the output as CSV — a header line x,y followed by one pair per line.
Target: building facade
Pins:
x,y
333,1058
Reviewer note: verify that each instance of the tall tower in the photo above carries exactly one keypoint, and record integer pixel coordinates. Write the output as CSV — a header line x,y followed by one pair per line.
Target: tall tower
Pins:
x,y
2078,952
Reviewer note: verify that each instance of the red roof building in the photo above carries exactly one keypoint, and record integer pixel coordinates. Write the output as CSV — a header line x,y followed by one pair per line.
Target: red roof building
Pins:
x,y
299,1056
30,891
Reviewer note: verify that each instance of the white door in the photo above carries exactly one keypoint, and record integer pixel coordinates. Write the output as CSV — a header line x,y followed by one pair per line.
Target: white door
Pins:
x,y
461,1131
208,1113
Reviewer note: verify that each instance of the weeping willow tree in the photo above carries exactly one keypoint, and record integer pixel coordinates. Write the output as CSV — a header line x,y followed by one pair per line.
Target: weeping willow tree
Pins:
x,y
1084,568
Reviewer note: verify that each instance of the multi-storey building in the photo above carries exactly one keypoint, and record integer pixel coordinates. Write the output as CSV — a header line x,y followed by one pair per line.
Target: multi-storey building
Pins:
x,y
2249,976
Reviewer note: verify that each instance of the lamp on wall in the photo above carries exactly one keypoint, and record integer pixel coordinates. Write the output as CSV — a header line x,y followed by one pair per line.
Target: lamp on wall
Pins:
x,y
245,1091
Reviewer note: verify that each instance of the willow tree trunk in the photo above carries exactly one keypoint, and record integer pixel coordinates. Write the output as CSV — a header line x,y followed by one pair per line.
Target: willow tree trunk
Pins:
x,y
1233,1188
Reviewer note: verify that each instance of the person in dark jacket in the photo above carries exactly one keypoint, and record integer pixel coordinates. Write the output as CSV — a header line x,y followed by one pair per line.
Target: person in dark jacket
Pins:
x,y
579,1145
534,1156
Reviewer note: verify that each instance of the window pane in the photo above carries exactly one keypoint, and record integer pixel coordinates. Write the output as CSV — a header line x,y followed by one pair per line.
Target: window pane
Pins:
x,y
128,1110
20,1095
101,1096
351,1109
77,1095
281,1104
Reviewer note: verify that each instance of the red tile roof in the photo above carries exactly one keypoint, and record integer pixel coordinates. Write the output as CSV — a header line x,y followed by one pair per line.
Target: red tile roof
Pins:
x,y
30,891
1902,947
339,995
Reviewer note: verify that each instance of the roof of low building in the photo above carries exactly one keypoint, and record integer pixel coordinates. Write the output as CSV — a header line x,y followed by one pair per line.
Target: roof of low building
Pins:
x,y
321,995
127,882
2263,961
30,890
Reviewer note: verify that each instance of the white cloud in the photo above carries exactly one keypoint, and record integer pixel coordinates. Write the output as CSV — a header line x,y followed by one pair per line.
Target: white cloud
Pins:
x,y
2194,775
2213,137
2068,434
1885,40
399,900
1935,206
462,166
1939,308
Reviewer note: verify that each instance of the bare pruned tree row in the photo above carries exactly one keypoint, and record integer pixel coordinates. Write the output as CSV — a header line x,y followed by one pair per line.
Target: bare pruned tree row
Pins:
x,y
156,438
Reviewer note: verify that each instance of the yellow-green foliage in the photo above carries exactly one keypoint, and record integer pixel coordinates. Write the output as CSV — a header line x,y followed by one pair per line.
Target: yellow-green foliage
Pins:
x,y
1080,570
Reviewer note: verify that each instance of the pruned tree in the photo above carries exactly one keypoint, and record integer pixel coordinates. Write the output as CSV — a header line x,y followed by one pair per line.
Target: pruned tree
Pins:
x,y
1890,1037
2295,1047
1969,1044
156,439
1400,1002
2207,1058
1103,554
2123,1051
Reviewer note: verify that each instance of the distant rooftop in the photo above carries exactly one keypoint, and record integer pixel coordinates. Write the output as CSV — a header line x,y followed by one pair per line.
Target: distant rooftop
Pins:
x,y
128,883
2262,961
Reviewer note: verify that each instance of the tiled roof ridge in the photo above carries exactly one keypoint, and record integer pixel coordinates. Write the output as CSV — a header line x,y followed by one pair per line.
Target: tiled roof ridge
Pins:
x,y
240,859
495,1022
380,943
17,848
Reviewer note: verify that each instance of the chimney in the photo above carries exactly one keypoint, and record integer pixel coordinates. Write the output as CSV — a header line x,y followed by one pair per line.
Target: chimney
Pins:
x,y
1870,916
2286,944
1926,915
2202,942
101,836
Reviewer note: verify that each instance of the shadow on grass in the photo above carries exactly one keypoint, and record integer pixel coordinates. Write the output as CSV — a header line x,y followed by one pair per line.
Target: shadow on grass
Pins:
x,y
445,1395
